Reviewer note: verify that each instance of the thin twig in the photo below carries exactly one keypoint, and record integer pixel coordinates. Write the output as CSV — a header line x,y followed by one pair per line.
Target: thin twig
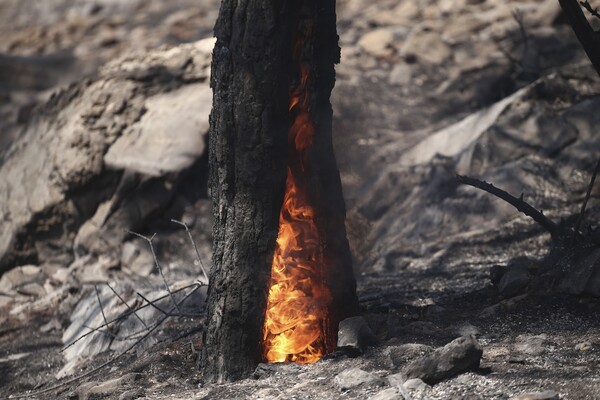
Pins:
x,y
587,196
101,307
518,203
112,360
594,11
195,247
98,330
127,305
125,315
152,304
149,240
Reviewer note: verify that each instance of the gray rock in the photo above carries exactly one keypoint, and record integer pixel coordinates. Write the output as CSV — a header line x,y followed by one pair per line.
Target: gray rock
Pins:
x,y
396,379
401,74
545,395
415,384
458,356
387,394
583,346
377,42
354,335
427,46
514,281
401,355
355,377
85,137
532,345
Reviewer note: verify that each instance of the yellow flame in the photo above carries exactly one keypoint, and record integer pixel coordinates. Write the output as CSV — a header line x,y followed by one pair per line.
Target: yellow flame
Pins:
x,y
297,303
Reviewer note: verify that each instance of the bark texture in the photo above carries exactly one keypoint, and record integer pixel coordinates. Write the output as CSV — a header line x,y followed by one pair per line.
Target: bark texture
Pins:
x,y
252,72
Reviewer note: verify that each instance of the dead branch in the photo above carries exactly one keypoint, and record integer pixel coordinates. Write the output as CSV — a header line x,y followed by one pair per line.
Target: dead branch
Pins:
x,y
594,11
112,360
127,305
518,203
587,196
195,247
152,303
126,314
586,35
101,307
149,240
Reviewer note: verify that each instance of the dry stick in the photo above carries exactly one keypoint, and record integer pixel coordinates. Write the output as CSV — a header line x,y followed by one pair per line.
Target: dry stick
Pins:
x,y
127,305
195,247
584,32
112,360
594,11
518,203
109,333
125,315
153,305
149,240
101,308
587,197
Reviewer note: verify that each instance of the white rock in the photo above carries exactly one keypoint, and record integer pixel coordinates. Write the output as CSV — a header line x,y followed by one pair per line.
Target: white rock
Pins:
x,y
355,377
378,42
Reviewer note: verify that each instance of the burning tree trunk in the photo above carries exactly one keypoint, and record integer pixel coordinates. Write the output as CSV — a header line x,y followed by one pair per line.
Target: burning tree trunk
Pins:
x,y
279,212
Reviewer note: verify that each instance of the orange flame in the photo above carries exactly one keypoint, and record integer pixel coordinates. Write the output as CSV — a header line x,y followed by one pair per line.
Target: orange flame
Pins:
x,y
296,313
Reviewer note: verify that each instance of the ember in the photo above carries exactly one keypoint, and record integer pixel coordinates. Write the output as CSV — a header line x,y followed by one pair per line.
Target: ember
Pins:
x,y
296,316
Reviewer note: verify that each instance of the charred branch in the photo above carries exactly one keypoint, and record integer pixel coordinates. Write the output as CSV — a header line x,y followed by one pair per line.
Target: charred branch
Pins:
x,y
518,203
586,35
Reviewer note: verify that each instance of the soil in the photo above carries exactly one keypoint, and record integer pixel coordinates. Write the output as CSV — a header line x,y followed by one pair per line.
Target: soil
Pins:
x,y
424,247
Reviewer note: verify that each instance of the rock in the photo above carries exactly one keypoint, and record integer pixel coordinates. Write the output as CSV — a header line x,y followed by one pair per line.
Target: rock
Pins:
x,y
387,394
96,389
514,281
264,370
354,335
545,395
427,46
531,345
415,384
396,379
401,74
458,356
583,346
378,42
355,377
19,278
400,355
67,171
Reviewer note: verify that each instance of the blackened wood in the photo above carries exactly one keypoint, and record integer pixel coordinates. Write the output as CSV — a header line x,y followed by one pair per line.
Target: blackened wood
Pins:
x,y
518,203
588,38
323,176
252,71
247,159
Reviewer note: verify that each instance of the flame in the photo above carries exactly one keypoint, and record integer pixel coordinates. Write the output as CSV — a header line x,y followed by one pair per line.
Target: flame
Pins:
x,y
297,303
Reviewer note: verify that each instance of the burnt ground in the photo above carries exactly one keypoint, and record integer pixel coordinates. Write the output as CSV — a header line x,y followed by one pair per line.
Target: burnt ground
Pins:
x,y
424,246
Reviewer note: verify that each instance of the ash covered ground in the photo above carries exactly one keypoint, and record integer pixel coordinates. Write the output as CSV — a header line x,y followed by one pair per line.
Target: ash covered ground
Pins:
x,y
496,90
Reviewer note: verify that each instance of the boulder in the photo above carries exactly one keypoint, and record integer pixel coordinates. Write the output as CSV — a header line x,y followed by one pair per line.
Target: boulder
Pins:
x,y
103,155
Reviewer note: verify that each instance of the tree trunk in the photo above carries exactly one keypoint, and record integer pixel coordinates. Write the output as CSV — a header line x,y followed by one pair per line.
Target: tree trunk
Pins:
x,y
252,72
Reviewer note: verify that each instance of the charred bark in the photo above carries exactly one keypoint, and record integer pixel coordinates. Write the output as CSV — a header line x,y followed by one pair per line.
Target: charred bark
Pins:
x,y
589,39
252,72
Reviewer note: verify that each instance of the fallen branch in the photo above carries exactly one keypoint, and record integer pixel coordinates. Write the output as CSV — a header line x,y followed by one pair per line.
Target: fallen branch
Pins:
x,y
112,360
518,203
